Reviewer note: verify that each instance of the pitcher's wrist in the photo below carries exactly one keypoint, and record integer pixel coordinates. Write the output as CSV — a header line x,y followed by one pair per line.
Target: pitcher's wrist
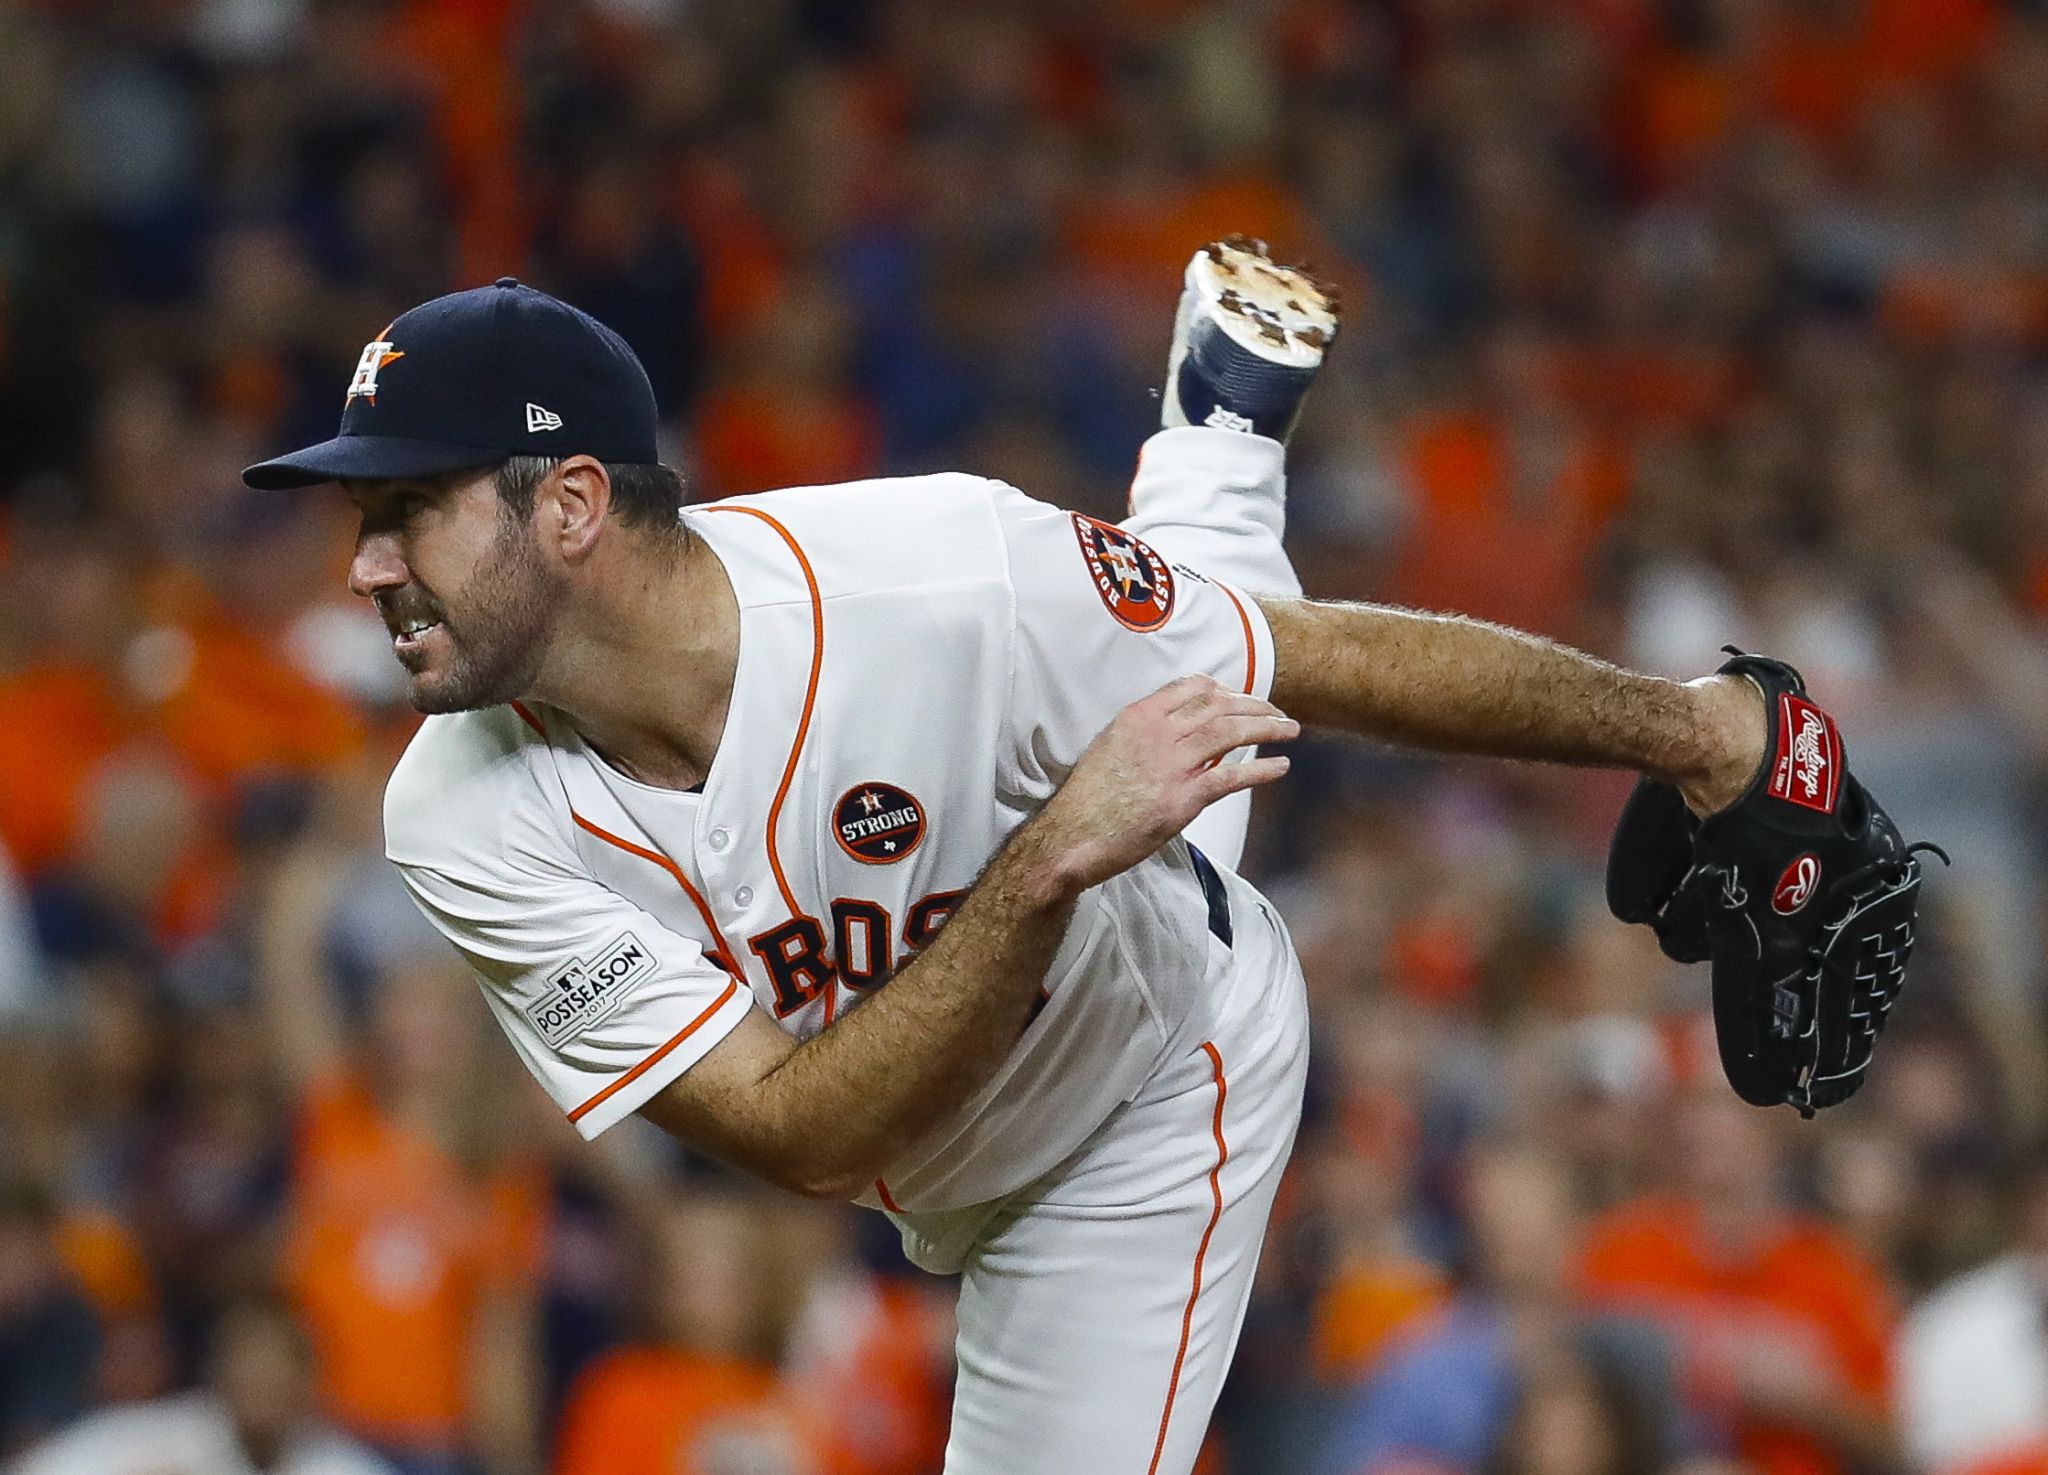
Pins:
x,y
1729,727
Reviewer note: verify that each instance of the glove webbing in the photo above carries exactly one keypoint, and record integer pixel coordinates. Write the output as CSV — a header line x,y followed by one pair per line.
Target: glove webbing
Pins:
x,y
1791,1001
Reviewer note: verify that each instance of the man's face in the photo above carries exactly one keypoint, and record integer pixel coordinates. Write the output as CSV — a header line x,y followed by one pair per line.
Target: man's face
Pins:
x,y
262,1373
462,585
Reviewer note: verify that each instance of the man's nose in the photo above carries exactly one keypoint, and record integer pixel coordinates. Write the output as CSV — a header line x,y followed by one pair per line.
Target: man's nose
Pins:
x,y
376,565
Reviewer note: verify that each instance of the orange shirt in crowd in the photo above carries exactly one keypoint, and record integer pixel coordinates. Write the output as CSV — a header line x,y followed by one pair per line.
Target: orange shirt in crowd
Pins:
x,y
244,710
1483,544
1822,76
459,54
1146,240
663,1411
108,1263
391,1249
744,265
1367,1305
209,698
1931,41
1805,1293
754,436
62,722
1680,108
875,1393
2026,1459
231,709
1683,104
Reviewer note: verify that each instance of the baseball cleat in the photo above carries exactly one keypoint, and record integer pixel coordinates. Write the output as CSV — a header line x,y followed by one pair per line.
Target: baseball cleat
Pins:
x,y
1248,338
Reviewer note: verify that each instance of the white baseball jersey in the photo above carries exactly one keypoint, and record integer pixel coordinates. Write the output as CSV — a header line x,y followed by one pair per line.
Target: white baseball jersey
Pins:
x,y
921,663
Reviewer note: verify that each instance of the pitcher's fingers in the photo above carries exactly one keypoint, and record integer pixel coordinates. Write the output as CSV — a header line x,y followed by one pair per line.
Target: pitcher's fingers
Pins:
x,y
1241,704
1226,734
1228,778
1185,691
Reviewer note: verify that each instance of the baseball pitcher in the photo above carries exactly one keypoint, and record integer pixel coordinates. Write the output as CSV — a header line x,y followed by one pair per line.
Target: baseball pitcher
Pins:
x,y
840,830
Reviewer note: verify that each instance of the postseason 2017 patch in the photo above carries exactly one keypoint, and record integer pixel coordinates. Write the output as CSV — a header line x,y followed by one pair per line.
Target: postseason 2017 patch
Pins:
x,y
581,994
877,824
1135,584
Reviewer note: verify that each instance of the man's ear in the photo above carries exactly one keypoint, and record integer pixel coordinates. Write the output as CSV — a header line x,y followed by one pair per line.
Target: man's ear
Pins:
x,y
579,497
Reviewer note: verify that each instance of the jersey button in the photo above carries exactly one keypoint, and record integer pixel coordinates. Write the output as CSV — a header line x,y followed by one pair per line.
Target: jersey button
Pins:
x,y
720,838
743,897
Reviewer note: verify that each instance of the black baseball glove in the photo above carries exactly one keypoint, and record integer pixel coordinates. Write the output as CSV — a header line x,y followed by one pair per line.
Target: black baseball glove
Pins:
x,y
1800,892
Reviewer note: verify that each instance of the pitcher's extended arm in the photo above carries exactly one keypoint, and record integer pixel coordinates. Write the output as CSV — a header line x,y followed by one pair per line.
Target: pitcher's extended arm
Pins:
x,y
1455,685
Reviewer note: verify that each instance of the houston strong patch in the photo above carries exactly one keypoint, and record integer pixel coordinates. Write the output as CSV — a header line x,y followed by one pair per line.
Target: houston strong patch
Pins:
x,y
877,823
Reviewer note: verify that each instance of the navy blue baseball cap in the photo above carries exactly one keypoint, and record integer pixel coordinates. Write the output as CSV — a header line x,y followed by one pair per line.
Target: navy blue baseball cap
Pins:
x,y
474,377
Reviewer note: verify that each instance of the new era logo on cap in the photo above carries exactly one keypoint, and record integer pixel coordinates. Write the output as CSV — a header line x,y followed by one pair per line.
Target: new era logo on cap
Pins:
x,y
541,419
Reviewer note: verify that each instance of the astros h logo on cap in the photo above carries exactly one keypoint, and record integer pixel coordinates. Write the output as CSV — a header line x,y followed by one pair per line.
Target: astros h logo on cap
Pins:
x,y
375,356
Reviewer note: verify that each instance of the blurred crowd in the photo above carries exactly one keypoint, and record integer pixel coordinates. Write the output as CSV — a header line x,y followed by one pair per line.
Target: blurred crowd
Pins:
x,y
1670,323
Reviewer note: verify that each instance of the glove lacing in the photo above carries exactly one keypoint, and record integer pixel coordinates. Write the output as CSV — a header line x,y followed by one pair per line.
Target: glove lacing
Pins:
x,y
1733,896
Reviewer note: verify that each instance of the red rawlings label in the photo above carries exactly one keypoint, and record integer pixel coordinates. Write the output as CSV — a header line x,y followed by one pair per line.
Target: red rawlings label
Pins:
x,y
1807,768
1795,887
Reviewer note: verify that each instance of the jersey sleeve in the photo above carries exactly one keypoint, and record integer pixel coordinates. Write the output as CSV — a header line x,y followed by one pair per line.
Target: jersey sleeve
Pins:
x,y
1102,619
603,1003
1216,499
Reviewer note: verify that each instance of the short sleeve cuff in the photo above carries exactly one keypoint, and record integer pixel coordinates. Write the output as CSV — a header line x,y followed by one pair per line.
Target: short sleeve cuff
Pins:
x,y
633,1089
1258,642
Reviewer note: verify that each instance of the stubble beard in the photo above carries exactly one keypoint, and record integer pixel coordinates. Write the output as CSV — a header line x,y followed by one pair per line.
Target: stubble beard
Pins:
x,y
508,612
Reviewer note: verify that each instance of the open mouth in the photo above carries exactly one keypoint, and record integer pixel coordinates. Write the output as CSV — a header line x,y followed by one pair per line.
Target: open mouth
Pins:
x,y
412,635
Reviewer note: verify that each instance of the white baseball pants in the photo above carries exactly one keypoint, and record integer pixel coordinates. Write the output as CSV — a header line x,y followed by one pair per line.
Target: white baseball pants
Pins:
x,y
1099,1307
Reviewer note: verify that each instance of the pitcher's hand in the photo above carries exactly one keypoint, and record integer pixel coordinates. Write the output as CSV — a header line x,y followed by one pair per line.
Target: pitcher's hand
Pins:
x,y
1153,769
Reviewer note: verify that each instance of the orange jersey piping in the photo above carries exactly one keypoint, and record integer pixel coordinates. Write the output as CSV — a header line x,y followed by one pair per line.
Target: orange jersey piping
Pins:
x,y
803,726
1187,1319
1251,645
655,1059
726,957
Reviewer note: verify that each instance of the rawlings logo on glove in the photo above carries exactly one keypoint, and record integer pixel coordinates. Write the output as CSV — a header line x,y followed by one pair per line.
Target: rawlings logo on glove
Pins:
x,y
1800,892
1795,887
1808,766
